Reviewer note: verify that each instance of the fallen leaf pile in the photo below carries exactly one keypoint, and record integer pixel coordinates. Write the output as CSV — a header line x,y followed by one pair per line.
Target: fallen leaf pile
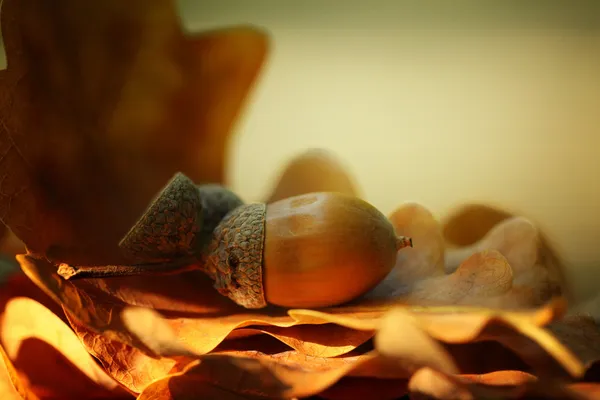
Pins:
x,y
101,103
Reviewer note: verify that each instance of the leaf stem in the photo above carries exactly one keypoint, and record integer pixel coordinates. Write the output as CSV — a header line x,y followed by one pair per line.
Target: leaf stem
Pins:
x,y
403,241
71,272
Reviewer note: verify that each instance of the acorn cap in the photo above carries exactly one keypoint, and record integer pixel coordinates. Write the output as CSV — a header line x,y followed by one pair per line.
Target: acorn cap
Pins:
x,y
217,201
235,255
170,225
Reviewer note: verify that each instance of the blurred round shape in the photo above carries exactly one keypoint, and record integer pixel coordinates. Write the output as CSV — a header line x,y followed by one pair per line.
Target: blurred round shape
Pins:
x,y
315,170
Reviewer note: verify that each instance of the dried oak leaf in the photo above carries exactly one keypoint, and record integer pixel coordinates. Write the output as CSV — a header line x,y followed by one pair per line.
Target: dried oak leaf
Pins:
x,y
11,245
429,384
579,333
195,310
474,227
285,374
515,330
203,319
502,270
101,104
11,386
48,356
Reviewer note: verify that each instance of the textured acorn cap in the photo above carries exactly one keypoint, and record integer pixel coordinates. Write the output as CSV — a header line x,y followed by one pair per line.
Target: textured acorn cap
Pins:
x,y
235,255
170,225
217,201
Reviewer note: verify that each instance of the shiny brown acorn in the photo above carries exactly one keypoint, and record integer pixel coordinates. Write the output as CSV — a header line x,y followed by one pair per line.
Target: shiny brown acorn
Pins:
x,y
312,250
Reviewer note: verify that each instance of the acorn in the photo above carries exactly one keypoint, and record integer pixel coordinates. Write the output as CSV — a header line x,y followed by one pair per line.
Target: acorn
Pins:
x,y
171,234
179,222
312,250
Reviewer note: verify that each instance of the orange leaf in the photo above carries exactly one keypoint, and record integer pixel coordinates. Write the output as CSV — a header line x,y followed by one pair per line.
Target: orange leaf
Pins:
x,y
17,284
518,332
50,356
190,388
469,223
202,318
581,334
101,104
204,323
11,386
474,227
470,325
10,244
430,384
120,360
353,388
480,275
262,376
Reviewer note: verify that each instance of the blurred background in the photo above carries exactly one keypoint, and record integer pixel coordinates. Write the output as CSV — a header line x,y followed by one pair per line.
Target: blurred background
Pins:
x,y
443,103
437,102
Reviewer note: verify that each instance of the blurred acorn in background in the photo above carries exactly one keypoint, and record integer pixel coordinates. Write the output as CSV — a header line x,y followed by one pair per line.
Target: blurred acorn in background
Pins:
x,y
315,170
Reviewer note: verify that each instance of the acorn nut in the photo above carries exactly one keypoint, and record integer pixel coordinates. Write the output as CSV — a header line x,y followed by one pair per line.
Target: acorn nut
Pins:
x,y
312,250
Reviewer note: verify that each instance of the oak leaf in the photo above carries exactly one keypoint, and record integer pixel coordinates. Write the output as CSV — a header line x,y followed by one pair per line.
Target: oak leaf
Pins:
x,y
287,373
467,325
471,227
121,116
11,386
579,333
204,319
429,384
481,275
101,104
48,358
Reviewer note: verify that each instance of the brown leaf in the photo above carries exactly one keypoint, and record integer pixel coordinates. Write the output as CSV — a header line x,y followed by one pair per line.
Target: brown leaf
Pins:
x,y
353,388
518,240
101,104
204,323
49,355
284,374
263,377
475,227
430,384
480,275
416,347
315,170
422,261
518,332
485,279
11,386
430,326
190,388
202,319
10,244
515,238
581,334
120,360
17,284
469,223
